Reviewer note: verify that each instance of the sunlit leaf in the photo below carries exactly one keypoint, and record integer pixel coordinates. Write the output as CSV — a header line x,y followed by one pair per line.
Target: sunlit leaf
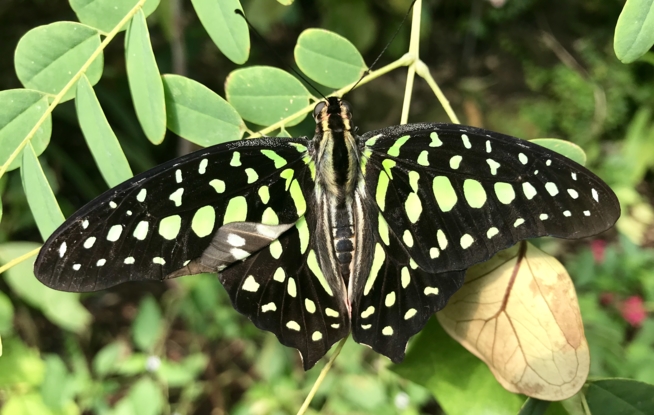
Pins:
x,y
461,383
563,147
39,194
106,14
107,360
47,57
6,314
198,114
147,324
328,58
634,32
20,366
62,309
228,30
144,80
102,141
265,95
620,396
146,397
518,312
20,109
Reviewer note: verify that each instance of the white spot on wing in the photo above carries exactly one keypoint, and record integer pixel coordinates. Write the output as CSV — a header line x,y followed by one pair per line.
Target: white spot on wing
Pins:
x,y
595,195
62,249
176,196
387,331
129,260
76,267
113,205
85,224
89,242
573,193
235,240
203,166
293,325
114,233
101,262
250,284
268,307
431,290
567,213
141,196
158,260
368,312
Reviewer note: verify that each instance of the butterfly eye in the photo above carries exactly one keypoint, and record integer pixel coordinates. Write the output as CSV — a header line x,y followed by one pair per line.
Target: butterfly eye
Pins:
x,y
318,109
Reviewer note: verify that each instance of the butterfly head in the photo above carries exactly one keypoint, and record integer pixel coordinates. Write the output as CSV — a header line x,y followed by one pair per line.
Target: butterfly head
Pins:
x,y
334,114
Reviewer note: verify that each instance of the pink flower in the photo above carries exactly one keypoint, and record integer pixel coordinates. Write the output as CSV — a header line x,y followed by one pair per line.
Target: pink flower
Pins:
x,y
598,247
633,310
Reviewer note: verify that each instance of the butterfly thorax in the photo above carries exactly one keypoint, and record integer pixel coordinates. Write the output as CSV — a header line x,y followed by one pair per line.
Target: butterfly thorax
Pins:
x,y
336,158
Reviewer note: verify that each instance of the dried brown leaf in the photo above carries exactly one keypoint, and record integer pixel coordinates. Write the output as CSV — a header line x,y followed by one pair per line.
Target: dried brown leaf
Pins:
x,y
518,313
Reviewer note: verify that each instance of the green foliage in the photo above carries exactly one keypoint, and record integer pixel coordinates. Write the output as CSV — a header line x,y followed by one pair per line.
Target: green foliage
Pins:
x,y
634,32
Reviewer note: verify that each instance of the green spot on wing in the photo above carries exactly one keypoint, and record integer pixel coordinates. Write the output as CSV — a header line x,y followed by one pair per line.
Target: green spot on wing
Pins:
x,y
474,193
377,262
312,262
394,151
444,193
303,231
276,158
237,210
169,226
298,198
204,221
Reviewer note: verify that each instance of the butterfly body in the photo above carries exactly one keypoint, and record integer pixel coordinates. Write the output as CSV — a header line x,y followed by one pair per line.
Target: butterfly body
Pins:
x,y
314,239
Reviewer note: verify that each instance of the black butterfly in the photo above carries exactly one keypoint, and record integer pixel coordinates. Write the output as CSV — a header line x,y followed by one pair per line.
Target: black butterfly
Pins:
x,y
314,238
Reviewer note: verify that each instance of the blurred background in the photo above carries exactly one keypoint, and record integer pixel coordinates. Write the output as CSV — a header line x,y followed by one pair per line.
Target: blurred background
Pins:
x,y
528,68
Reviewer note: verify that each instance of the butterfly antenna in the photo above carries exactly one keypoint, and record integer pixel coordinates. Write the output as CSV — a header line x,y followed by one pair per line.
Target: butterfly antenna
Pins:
x,y
367,71
274,52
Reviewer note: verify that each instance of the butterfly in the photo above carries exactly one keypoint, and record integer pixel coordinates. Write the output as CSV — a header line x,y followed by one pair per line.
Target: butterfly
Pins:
x,y
317,238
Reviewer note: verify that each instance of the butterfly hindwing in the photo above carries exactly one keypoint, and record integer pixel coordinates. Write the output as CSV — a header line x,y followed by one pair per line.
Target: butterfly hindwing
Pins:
x,y
153,225
393,298
291,289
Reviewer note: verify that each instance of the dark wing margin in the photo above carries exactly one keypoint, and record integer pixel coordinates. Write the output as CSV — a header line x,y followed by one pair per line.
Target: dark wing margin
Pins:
x,y
153,225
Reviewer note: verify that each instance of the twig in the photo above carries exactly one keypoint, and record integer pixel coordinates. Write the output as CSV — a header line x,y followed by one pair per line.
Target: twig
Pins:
x,y
321,377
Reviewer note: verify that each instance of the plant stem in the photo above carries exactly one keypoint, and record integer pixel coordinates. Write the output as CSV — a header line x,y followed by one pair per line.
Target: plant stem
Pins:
x,y
423,71
414,51
321,377
70,84
19,259
403,61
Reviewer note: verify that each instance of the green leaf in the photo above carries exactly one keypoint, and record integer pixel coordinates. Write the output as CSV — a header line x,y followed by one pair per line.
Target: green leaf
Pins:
x,y
26,404
104,15
533,406
563,147
144,80
634,32
178,374
56,389
39,194
285,2
106,361
328,58
620,396
20,365
146,397
47,57
147,325
6,314
265,95
63,309
198,114
102,141
228,30
461,383
20,109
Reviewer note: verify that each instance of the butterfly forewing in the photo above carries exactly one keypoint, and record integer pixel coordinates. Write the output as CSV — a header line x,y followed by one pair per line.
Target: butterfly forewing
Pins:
x,y
456,195
155,224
